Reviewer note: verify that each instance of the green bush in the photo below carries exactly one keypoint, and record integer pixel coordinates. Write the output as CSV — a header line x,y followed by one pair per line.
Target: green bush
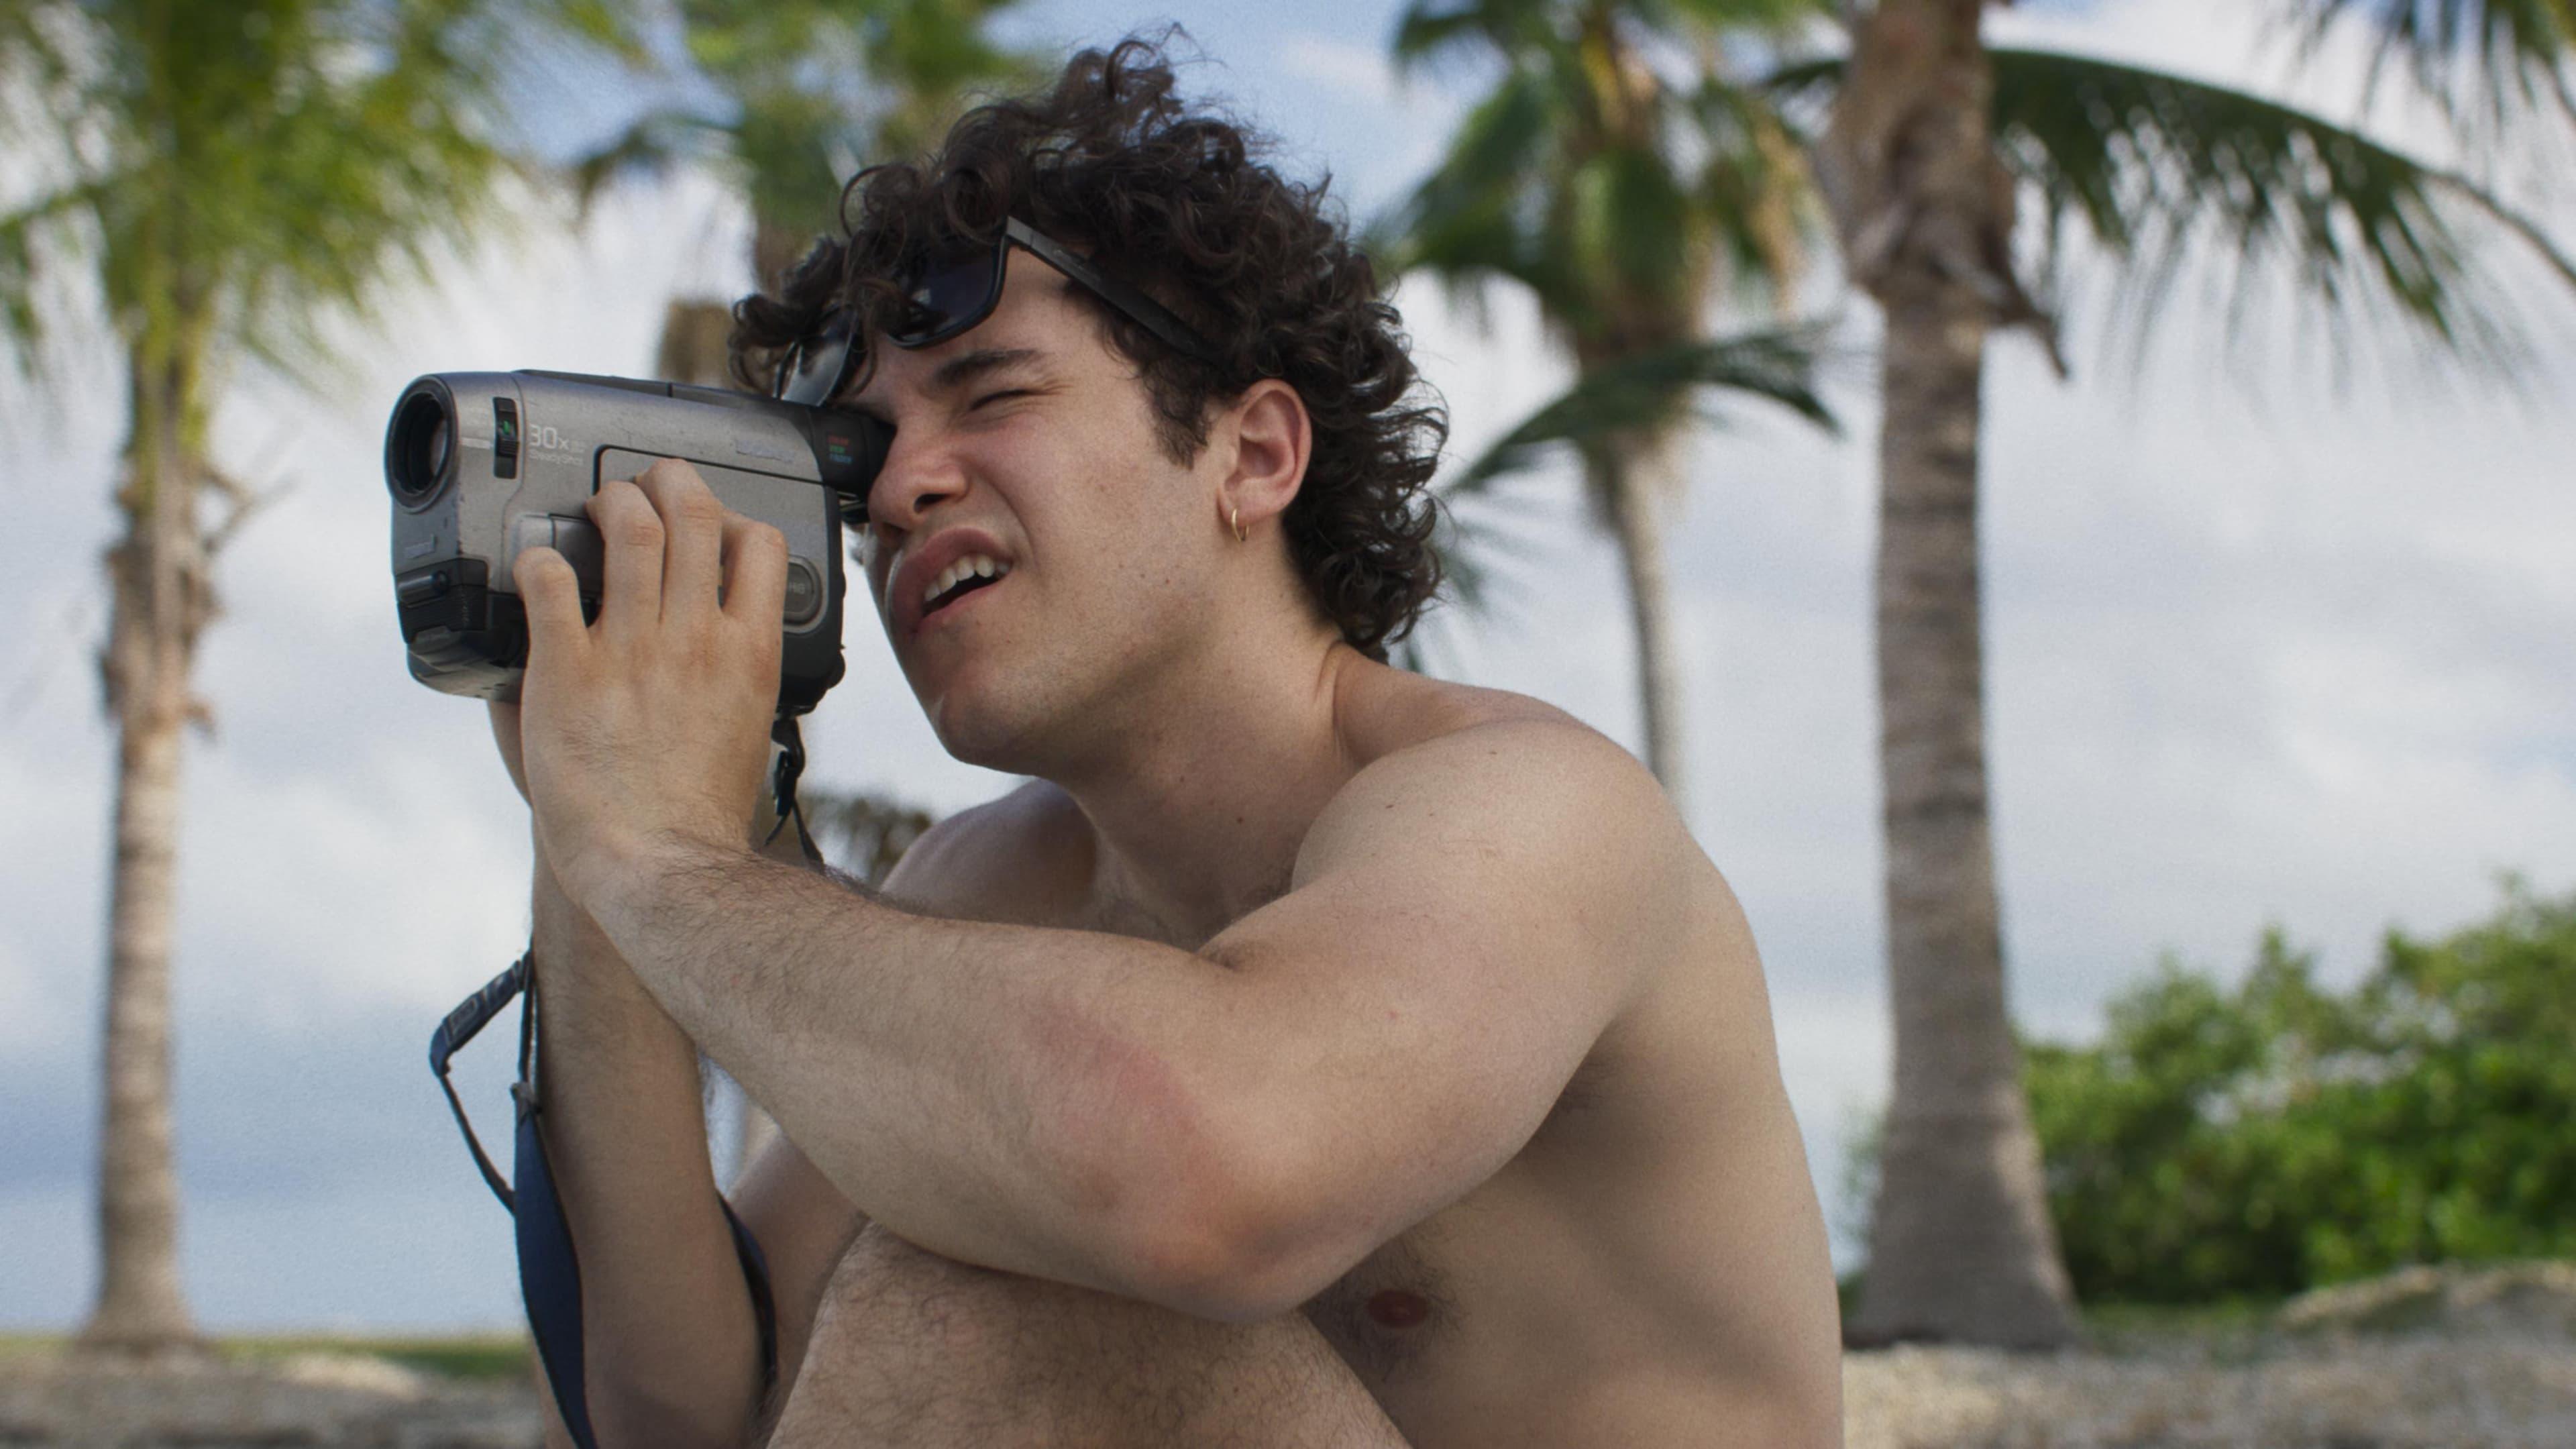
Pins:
x,y
2262,1141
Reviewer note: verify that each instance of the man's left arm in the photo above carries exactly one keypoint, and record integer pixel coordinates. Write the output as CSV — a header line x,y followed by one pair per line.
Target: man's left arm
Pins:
x,y
1225,1131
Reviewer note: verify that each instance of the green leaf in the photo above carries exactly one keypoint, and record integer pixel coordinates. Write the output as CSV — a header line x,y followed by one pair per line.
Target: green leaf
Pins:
x,y
1644,394
246,172
649,146
1435,31
1476,218
2153,163
2496,59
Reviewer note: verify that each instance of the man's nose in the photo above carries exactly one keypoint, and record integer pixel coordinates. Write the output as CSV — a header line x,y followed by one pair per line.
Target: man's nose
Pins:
x,y
918,476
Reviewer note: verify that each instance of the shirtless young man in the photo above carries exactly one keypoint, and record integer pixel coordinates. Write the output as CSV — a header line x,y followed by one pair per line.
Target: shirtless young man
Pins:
x,y
1314,1054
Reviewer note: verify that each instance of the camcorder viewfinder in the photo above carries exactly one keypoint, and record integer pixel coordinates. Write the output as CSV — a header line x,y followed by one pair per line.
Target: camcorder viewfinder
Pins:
x,y
484,464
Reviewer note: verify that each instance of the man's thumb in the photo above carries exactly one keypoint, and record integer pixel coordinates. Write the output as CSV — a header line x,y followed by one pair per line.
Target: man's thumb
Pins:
x,y
551,594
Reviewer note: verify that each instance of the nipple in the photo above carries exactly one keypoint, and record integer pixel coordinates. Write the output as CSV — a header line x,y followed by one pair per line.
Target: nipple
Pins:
x,y
1397,1308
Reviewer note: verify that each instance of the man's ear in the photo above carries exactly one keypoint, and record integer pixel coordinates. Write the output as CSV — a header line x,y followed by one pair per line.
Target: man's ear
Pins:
x,y
1272,439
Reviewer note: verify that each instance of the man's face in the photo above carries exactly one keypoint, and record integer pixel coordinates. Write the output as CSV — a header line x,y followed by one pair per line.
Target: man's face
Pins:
x,y
1026,448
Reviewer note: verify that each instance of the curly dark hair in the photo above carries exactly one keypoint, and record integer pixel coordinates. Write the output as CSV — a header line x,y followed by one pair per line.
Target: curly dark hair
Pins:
x,y
1180,204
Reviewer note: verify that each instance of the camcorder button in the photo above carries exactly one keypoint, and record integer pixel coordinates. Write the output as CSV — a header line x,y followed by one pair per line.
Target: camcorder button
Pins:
x,y
505,438
422,585
574,538
579,543
530,530
804,592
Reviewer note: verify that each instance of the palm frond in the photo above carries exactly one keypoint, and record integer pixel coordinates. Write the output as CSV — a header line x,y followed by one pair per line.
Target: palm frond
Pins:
x,y
1646,392
1472,219
816,88
1499,145
1759,189
25,233
1803,88
249,173
649,147
1432,30
2152,163
1763,18
1631,220
2491,58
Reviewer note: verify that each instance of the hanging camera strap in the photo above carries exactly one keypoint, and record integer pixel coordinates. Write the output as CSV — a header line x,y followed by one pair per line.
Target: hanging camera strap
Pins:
x,y
549,1269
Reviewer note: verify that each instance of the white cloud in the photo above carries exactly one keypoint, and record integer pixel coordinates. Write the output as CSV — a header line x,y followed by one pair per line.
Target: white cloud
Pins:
x,y
1359,72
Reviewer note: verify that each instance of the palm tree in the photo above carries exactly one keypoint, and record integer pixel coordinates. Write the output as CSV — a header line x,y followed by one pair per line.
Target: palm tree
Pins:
x,y
810,90
1933,140
229,176
1628,203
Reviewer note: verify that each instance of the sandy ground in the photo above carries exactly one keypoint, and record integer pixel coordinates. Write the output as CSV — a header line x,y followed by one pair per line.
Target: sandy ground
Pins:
x,y
326,1402
2419,1361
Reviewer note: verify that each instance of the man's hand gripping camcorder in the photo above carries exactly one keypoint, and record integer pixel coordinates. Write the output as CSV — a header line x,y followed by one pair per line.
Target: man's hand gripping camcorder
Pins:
x,y
484,464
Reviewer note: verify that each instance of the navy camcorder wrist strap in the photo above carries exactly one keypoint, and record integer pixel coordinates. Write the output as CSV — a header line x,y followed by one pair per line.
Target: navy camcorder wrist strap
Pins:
x,y
549,1272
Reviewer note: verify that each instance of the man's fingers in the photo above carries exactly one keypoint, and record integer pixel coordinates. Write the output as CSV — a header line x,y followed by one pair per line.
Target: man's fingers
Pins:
x,y
630,535
755,570
551,594
693,524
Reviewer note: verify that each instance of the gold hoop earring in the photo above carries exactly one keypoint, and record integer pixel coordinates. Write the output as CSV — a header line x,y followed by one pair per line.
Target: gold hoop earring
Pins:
x,y
1234,520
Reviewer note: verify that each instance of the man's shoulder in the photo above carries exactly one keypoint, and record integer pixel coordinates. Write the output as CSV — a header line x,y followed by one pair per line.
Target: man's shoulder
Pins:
x,y
1024,858
1428,734
1494,767
1384,711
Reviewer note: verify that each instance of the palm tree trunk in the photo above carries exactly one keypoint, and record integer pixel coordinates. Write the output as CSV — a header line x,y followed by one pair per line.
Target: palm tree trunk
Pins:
x,y
692,349
694,329
1961,1244
775,249
1635,505
157,580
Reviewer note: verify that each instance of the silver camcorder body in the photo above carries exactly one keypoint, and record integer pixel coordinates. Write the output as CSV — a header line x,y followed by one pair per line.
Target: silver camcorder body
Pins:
x,y
484,464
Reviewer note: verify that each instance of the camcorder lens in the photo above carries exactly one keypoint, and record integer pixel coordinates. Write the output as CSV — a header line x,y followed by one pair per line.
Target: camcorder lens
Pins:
x,y
424,439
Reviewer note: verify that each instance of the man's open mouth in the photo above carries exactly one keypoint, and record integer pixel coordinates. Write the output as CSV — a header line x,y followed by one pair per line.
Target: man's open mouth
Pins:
x,y
974,571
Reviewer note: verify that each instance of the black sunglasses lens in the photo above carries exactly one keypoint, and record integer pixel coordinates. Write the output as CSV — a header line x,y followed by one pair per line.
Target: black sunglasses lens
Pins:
x,y
951,294
815,370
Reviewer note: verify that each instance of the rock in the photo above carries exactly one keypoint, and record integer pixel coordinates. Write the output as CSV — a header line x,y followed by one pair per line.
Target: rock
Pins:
x,y
2531,1301
2416,1393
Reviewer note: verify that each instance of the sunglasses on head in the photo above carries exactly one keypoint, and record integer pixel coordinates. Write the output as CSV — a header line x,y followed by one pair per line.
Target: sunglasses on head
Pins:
x,y
950,295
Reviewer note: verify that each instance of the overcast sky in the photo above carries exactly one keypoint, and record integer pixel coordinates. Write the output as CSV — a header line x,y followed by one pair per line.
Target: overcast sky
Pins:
x,y
2257,654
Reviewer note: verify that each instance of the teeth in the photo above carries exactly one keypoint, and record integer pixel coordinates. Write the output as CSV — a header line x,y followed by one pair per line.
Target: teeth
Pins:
x,y
973,566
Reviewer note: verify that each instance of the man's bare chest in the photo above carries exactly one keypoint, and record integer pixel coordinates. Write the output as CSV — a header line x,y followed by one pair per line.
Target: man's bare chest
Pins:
x,y
1393,1311
1436,1314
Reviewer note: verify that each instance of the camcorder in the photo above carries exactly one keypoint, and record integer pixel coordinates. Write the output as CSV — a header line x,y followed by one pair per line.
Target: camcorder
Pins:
x,y
484,464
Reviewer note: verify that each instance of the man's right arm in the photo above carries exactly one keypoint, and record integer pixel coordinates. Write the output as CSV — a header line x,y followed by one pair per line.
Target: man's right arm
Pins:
x,y
669,1342
671,1350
